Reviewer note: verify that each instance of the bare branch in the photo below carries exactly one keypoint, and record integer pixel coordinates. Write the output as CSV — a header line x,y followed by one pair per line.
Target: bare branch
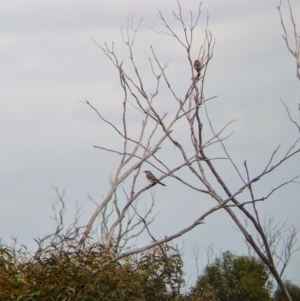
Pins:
x,y
290,117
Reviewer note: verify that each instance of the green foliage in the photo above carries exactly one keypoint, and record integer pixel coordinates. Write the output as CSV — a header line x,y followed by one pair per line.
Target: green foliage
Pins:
x,y
233,278
294,291
58,271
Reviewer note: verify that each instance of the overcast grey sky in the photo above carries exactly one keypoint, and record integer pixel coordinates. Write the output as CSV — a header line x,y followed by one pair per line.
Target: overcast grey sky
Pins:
x,y
49,63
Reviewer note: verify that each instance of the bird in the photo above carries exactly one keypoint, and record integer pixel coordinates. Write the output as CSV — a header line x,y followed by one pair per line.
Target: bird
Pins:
x,y
151,178
197,66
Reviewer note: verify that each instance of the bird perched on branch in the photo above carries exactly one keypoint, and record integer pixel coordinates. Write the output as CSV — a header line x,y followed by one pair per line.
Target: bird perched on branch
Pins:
x,y
151,178
197,66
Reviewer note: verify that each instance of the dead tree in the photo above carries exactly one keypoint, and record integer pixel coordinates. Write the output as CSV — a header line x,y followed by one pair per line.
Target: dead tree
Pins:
x,y
292,44
187,129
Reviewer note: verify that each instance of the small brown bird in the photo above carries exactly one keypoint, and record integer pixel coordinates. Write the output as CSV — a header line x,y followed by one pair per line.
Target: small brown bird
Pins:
x,y
197,65
151,178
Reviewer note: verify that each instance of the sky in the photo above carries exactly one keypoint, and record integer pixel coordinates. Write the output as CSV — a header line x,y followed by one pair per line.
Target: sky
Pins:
x,y
50,64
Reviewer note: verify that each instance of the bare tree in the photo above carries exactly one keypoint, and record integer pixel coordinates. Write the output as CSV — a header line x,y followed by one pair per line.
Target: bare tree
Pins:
x,y
294,45
188,114
282,240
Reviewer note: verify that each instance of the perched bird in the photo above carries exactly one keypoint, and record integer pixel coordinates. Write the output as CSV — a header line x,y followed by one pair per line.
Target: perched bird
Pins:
x,y
197,65
151,178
